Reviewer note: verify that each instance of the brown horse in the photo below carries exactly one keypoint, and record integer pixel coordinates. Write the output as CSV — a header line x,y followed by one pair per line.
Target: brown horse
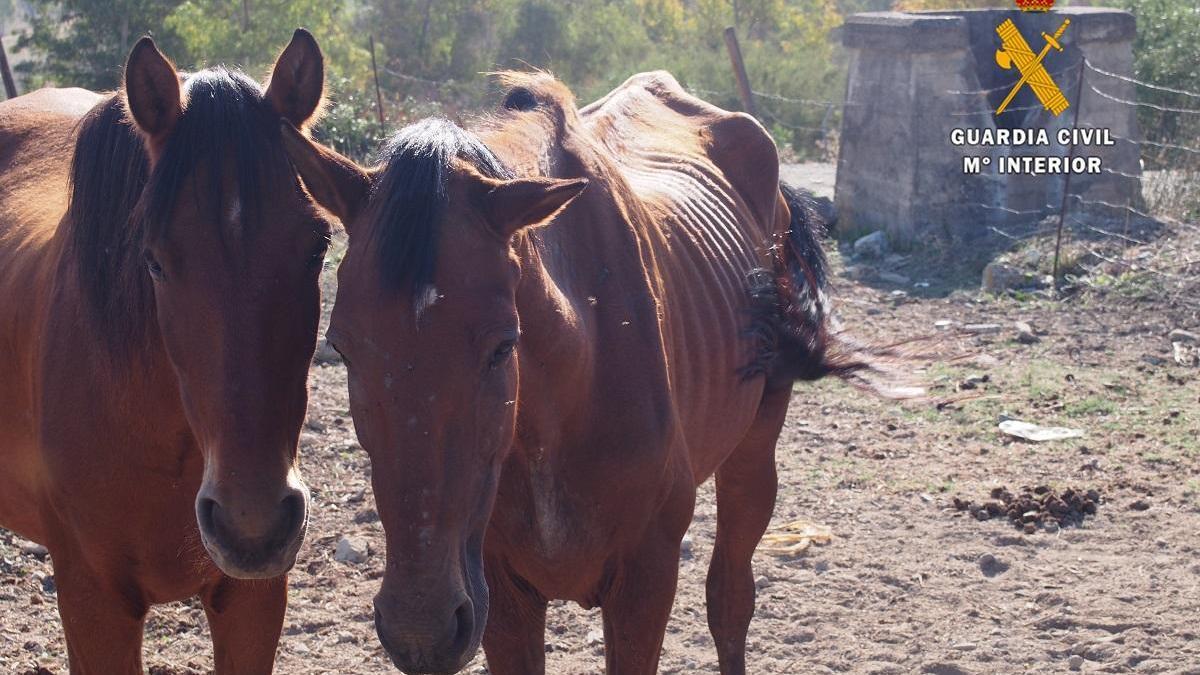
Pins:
x,y
541,387
158,311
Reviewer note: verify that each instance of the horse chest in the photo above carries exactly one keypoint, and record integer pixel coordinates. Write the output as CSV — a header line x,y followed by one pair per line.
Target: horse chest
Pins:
x,y
558,523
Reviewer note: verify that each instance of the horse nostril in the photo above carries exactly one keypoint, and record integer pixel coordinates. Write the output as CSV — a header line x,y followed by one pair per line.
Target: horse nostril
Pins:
x,y
293,509
206,510
464,616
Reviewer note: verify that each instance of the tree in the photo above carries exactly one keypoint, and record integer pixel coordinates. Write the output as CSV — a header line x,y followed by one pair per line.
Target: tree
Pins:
x,y
250,33
84,42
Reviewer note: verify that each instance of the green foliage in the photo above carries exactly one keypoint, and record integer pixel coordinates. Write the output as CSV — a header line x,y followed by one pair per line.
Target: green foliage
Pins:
x,y
437,49
351,125
84,42
251,33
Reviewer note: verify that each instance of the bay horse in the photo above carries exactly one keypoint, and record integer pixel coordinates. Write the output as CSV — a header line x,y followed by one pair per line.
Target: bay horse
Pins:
x,y
556,328
159,304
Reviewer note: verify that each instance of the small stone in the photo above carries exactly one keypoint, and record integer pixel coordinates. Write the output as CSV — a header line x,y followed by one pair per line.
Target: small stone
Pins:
x,y
366,516
982,328
326,354
973,381
761,582
343,638
874,245
1185,355
595,637
1139,505
35,550
894,278
1025,334
999,277
826,212
862,273
685,547
965,646
991,566
48,584
1051,527
1075,662
353,550
1184,336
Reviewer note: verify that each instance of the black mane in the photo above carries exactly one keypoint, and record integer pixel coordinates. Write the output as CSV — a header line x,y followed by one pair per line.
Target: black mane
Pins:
x,y
409,200
109,171
117,205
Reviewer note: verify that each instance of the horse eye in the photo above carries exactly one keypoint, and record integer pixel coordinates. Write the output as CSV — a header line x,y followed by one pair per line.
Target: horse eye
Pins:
x,y
152,265
502,353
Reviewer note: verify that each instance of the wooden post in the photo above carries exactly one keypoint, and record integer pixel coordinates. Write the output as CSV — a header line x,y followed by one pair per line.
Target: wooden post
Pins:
x,y
1062,212
739,71
378,96
10,86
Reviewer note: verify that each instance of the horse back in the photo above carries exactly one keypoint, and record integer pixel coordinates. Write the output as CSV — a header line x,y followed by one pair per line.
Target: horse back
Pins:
x,y
37,134
650,114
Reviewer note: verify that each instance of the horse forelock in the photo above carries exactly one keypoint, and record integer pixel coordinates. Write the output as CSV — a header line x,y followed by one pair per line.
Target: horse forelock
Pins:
x,y
408,202
118,204
226,123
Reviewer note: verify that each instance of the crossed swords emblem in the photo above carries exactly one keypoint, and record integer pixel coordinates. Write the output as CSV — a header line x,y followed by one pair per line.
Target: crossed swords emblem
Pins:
x,y
1017,52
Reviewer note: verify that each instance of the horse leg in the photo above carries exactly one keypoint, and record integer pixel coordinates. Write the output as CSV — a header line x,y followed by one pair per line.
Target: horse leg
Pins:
x,y
514,640
638,602
246,618
746,484
103,623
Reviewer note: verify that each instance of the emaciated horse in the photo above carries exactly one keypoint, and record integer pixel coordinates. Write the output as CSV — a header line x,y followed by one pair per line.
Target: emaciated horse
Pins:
x,y
158,312
556,329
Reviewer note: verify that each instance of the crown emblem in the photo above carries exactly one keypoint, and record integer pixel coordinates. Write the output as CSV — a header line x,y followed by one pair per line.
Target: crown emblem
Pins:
x,y
1035,5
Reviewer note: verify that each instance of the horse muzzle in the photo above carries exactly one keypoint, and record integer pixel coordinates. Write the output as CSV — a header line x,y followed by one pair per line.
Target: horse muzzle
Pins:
x,y
429,641
253,538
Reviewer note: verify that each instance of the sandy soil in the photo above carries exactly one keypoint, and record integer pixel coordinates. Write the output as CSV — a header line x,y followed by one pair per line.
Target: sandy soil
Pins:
x,y
909,584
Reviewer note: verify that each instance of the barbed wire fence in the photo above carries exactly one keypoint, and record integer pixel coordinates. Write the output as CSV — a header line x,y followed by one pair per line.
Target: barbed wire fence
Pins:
x,y
1109,243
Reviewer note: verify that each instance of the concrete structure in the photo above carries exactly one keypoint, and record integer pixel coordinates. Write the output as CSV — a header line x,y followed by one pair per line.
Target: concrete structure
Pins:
x,y
914,77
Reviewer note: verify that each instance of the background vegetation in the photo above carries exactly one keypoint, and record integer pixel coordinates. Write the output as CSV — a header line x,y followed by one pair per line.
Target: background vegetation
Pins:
x,y
431,52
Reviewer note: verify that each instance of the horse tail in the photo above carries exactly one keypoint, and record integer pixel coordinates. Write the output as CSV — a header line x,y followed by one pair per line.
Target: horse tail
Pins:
x,y
799,337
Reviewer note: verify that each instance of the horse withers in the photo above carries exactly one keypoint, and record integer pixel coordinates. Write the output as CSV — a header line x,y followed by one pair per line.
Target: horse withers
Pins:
x,y
159,301
556,328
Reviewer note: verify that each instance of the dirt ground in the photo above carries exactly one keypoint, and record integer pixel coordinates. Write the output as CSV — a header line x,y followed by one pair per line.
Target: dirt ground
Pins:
x,y
909,583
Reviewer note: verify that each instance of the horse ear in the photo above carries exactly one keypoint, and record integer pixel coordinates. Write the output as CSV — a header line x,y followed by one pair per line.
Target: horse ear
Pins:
x,y
152,94
297,83
336,182
515,204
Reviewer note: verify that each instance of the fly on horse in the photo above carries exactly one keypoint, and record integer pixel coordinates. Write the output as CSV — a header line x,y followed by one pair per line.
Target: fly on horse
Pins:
x,y
556,328
158,312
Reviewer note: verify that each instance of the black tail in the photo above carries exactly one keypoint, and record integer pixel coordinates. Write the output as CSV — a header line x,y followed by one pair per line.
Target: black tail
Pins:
x,y
792,316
